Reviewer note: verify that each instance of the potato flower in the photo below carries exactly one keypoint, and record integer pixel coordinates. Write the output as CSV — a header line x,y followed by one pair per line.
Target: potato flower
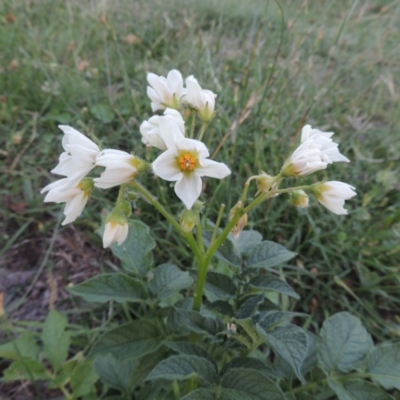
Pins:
x,y
329,149
200,99
185,161
75,197
121,167
159,129
165,92
79,156
115,231
333,194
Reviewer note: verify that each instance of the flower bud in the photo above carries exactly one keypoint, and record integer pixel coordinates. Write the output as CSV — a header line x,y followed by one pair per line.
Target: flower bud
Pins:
x,y
116,229
299,198
242,221
189,219
264,182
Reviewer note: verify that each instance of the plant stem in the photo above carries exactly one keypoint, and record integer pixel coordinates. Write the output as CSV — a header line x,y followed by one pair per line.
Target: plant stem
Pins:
x,y
215,231
154,202
192,123
204,126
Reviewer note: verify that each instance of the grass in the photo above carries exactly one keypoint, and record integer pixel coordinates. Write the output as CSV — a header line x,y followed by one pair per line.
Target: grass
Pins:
x,y
334,65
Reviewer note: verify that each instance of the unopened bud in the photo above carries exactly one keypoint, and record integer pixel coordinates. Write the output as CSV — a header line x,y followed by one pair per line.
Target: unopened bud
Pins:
x,y
242,221
299,198
189,219
264,182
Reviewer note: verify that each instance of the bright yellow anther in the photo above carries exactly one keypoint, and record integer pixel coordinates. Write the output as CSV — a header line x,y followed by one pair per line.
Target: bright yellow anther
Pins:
x,y
187,162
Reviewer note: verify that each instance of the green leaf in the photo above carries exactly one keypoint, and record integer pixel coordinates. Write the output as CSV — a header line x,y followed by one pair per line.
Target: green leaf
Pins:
x,y
249,384
344,343
250,306
268,254
26,369
358,390
55,340
131,340
200,394
269,282
24,346
220,285
251,363
102,112
228,251
83,378
248,326
169,279
383,363
135,252
116,373
272,319
222,307
194,321
106,287
290,343
177,368
190,349
149,390
247,240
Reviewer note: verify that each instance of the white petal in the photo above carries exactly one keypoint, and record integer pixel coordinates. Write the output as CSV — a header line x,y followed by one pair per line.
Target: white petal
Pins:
x,y
213,169
188,189
165,166
73,209
175,83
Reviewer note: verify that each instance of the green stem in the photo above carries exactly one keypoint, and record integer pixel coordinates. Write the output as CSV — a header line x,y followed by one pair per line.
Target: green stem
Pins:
x,y
215,231
201,281
154,202
199,235
204,126
192,123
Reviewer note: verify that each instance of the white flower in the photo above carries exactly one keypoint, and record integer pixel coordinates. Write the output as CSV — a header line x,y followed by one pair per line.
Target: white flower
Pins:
x,y
79,156
115,231
329,149
165,92
305,160
158,130
121,167
185,162
333,194
75,197
200,99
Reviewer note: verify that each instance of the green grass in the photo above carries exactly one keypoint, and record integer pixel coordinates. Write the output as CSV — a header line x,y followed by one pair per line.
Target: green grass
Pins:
x,y
334,65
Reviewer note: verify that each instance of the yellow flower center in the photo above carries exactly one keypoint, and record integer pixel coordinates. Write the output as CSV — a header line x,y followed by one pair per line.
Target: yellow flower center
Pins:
x,y
187,162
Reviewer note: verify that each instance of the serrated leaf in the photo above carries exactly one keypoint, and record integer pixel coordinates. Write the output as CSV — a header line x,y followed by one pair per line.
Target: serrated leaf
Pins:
x,y
190,349
135,252
222,307
200,394
169,279
106,287
268,254
344,343
116,373
358,390
182,367
131,340
383,363
272,319
249,384
26,369
228,251
290,343
220,285
251,363
194,321
269,282
55,340
250,306
247,240
83,378
23,346
103,113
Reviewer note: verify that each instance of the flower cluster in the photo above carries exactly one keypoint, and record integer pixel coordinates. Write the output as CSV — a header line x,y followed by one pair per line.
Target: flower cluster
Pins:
x,y
183,160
